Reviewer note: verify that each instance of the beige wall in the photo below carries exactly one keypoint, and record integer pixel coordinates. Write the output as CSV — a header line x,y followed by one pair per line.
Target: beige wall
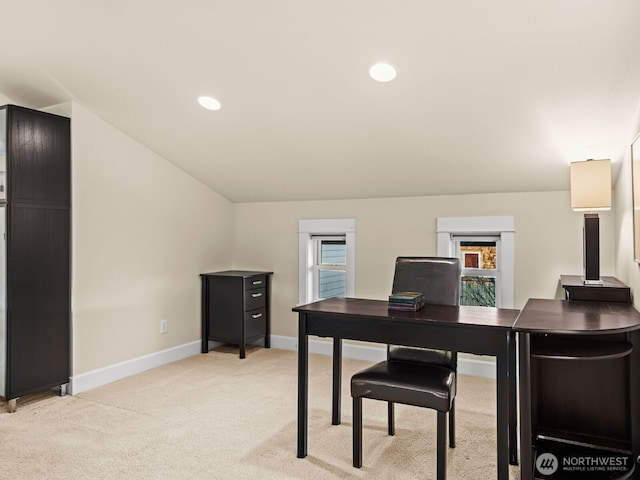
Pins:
x,y
627,269
143,231
548,240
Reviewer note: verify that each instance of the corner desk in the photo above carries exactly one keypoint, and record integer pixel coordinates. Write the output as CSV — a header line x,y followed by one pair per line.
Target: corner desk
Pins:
x,y
579,374
476,330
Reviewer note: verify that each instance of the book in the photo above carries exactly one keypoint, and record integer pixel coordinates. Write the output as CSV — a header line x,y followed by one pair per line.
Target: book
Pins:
x,y
406,297
408,307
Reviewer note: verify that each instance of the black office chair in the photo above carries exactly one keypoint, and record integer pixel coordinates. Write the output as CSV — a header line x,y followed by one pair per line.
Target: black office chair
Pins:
x,y
415,376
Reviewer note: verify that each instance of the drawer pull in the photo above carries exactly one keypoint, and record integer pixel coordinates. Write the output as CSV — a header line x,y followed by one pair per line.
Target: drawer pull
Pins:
x,y
256,295
257,282
256,315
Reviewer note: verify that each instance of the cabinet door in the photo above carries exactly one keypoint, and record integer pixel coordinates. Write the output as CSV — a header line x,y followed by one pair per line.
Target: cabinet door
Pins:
x,y
39,155
225,308
38,299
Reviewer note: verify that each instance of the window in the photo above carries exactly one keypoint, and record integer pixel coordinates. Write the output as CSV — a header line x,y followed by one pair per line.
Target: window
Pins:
x,y
484,246
480,282
326,259
329,269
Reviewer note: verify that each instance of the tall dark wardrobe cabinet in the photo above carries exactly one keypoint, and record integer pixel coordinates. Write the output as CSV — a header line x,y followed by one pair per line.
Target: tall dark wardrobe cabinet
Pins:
x,y
35,208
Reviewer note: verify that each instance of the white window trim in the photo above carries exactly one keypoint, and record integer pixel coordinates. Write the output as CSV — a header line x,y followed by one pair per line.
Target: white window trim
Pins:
x,y
308,228
448,227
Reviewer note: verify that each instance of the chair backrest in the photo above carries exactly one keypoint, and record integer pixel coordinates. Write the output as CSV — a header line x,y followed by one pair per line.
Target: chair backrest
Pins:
x,y
438,278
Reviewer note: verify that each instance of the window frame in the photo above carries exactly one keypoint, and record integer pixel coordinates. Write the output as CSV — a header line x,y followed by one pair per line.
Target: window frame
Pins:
x,y
309,231
320,266
448,228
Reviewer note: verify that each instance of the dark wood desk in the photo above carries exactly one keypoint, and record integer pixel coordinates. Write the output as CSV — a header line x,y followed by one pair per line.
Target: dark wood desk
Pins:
x,y
579,386
611,289
477,330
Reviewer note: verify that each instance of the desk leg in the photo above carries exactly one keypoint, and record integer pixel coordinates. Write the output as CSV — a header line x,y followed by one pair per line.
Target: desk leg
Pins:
x,y
634,373
502,381
303,384
526,465
513,401
337,380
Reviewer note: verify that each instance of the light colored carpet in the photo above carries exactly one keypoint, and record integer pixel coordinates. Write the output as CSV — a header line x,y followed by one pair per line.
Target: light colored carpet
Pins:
x,y
215,416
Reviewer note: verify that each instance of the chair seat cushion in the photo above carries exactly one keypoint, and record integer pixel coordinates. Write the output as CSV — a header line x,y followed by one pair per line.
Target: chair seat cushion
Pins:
x,y
409,383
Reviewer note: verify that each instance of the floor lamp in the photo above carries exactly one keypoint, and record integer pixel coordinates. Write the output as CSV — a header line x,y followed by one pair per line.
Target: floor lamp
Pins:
x,y
590,193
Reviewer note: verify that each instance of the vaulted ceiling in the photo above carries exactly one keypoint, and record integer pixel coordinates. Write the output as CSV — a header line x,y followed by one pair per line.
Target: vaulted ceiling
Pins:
x,y
490,96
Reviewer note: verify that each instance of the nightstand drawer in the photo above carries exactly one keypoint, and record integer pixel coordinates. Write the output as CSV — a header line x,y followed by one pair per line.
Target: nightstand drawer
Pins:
x,y
255,299
256,281
255,323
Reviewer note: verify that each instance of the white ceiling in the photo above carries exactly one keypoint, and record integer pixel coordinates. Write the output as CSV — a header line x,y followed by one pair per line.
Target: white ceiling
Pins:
x,y
491,96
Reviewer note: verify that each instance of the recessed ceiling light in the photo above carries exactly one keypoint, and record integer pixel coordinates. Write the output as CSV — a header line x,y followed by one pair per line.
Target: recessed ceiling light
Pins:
x,y
382,72
209,103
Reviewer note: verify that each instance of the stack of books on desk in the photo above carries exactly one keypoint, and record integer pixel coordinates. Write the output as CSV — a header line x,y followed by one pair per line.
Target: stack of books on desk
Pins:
x,y
410,301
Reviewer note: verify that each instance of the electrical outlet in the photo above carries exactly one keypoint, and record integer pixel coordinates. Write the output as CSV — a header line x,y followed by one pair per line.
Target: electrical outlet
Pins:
x,y
164,326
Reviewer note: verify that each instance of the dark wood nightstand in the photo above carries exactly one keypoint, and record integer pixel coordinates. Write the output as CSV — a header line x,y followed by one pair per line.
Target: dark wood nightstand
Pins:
x,y
235,308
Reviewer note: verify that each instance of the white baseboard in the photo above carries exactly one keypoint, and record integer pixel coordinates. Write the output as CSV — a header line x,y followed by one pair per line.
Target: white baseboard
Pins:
x,y
476,367
466,366
102,376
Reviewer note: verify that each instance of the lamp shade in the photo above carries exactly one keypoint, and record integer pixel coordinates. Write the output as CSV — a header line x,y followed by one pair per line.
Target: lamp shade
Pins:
x,y
591,185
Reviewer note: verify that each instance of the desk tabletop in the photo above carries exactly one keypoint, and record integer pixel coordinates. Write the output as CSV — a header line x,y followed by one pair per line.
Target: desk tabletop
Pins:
x,y
439,314
569,281
575,317
235,273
